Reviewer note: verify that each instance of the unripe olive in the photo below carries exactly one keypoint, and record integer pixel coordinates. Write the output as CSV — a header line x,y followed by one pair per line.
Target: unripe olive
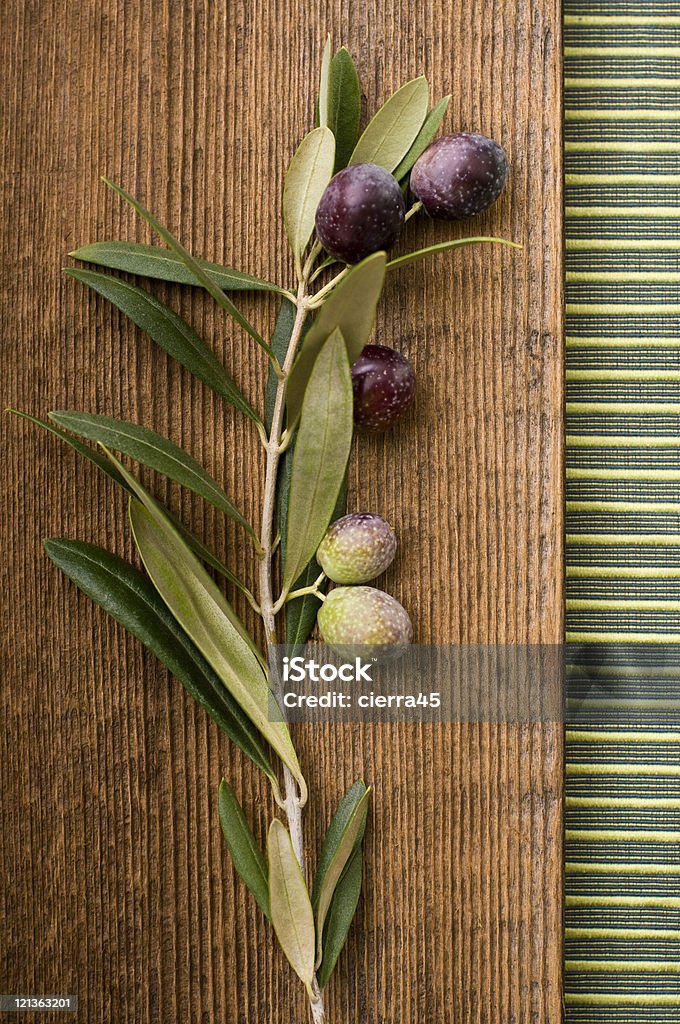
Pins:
x,y
364,616
459,176
361,211
384,387
357,548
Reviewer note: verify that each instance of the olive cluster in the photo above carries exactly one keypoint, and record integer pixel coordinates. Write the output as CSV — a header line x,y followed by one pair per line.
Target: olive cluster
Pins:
x,y
363,211
355,550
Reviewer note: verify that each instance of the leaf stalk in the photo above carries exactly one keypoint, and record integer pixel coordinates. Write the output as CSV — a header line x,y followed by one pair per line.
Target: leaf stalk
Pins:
x,y
323,293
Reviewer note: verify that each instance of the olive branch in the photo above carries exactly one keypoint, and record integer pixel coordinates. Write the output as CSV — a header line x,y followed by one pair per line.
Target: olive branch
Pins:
x,y
175,606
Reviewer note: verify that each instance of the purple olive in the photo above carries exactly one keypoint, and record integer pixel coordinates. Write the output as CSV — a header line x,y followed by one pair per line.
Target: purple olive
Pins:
x,y
361,212
459,176
384,387
357,548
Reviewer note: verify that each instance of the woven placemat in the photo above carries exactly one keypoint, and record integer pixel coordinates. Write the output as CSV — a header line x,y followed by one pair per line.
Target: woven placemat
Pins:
x,y
622,159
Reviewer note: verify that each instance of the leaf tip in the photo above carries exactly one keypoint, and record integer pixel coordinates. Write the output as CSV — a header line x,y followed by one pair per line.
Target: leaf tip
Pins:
x,y
51,546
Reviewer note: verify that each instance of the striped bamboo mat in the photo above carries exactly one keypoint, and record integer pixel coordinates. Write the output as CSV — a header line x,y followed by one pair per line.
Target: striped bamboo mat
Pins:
x,y
622,158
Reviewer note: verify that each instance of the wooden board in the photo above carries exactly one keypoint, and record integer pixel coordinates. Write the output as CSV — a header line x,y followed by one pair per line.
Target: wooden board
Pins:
x,y
114,881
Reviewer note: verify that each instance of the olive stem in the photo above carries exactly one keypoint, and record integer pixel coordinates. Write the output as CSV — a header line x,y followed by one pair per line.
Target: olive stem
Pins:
x,y
322,294
416,208
302,592
328,262
292,803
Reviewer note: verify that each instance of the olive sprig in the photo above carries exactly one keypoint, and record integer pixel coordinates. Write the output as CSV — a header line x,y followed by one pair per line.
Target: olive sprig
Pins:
x,y
344,207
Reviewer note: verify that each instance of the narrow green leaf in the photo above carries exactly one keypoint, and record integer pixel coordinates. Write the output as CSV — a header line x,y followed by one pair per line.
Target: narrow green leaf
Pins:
x,y
191,264
99,460
420,254
291,910
351,308
423,138
340,916
321,453
338,857
337,828
202,551
129,597
344,106
245,853
323,84
204,613
163,265
301,612
308,174
103,463
152,450
169,331
391,133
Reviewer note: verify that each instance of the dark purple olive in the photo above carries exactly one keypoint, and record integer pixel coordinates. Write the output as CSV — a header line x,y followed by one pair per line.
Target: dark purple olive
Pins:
x,y
384,387
361,211
459,176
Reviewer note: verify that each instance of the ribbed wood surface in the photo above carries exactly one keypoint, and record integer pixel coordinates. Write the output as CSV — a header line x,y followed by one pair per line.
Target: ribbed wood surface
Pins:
x,y
114,881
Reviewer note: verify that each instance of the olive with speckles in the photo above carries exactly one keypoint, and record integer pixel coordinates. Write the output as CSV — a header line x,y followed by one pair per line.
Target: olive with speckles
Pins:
x,y
366,617
361,212
459,176
357,548
384,387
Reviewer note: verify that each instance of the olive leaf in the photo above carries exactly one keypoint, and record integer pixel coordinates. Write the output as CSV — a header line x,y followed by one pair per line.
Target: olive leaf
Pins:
x,y
340,916
202,611
320,458
392,131
152,450
206,616
351,308
420,254
290,907
344,106
129,597
169,331
308,174
245,853
101,462
338,826
163,265
192,265
423,138
301,612
346,830
324,84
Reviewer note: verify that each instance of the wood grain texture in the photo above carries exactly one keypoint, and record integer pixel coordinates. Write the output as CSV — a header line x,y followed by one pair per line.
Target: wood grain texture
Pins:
x,y
114,881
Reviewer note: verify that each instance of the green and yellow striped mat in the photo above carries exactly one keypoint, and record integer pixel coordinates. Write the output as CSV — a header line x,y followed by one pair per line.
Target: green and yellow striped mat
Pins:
x,y
622,157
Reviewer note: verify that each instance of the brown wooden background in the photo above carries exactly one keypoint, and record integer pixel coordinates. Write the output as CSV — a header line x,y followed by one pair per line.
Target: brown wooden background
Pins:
x,y
115,883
